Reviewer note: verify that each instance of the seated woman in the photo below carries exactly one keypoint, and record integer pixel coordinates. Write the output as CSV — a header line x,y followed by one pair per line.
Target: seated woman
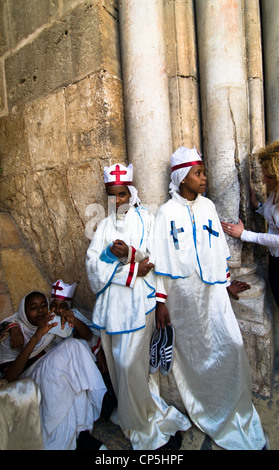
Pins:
x,y
71,385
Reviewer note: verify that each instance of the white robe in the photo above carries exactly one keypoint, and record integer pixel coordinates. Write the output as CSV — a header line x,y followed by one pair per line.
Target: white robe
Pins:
x,y
116,283
124,311
20,424
71,385
72,392
210,365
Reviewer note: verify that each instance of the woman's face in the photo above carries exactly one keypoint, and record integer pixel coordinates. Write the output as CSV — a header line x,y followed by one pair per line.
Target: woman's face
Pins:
x,y
269,180
36,308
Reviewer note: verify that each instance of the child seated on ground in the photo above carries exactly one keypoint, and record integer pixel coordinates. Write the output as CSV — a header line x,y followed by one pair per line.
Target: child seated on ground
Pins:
x,y
71,385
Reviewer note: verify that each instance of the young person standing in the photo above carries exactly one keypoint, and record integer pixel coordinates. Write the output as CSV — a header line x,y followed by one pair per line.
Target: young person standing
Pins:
x,y
210,365
121,275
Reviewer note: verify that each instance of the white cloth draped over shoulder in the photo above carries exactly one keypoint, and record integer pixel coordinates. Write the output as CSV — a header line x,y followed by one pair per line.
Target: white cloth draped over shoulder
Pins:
x,y
192,237
116,283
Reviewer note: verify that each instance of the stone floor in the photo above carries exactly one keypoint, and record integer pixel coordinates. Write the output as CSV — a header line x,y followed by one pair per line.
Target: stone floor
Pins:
x,y
194,439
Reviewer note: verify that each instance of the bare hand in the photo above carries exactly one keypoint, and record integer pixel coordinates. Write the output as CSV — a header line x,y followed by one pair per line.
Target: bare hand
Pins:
x,y
17,339
234,230
144,267
44,326
119,249
236,287
67,316
162,315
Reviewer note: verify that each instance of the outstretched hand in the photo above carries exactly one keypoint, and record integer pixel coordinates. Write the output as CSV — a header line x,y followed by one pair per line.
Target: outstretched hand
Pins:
x,y
236,287
45,326
234,230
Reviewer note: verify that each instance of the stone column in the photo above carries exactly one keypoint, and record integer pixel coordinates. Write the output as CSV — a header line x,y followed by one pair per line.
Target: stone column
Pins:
x,y
270,26
146,98
225,124
232,121
256,103
181,54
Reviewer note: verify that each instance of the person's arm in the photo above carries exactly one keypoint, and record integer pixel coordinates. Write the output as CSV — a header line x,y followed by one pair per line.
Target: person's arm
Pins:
x,y
16,336
265,239
162,313
16,368
238,231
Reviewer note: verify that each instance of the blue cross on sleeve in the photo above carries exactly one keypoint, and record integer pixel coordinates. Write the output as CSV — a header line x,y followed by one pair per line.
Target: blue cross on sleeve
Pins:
x,y
210,231
174,233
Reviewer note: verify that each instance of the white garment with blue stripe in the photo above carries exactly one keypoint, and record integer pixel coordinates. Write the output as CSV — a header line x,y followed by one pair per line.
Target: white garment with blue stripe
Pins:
x,y
193,238
210,365
125,315
122,299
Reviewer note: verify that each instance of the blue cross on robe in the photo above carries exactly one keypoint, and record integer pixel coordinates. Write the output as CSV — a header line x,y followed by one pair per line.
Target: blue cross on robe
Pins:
x,y
210,231
174,232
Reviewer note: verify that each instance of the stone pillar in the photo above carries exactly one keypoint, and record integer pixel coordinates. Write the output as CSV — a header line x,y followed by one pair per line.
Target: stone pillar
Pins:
x,y
256,94
147,111
270,26
229,131
181,54
224,108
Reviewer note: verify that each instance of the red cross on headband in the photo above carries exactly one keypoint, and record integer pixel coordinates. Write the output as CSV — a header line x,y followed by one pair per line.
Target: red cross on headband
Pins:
x,y
118,174
63,291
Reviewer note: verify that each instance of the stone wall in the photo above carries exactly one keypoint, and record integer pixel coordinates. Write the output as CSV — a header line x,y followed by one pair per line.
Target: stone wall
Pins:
x,y
61,121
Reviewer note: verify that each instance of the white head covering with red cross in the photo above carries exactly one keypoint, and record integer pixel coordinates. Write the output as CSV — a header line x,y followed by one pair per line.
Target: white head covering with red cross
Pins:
x,y
62,291
120,175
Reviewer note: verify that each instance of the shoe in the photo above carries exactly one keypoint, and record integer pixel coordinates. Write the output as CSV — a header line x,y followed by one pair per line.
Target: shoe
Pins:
x,y
87,442
174,442
155,348
166,350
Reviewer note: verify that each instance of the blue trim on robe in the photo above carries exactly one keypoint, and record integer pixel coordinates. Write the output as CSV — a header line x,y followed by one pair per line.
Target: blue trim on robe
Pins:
x,y
195,243
124,331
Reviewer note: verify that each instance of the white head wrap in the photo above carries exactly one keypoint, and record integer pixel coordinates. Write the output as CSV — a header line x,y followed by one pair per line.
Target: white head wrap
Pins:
x,y
63,291
119,174
8,354
181,162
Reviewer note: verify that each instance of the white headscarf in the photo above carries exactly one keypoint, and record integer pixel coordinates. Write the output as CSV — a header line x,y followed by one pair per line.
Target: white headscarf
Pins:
x,y
182,161
8,354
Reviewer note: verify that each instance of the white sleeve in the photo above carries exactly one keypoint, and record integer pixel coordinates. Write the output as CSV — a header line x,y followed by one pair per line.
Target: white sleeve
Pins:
x,y
266,239
161,295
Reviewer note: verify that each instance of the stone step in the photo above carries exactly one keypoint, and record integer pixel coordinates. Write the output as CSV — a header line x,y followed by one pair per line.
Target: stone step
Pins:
x,y
19,271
